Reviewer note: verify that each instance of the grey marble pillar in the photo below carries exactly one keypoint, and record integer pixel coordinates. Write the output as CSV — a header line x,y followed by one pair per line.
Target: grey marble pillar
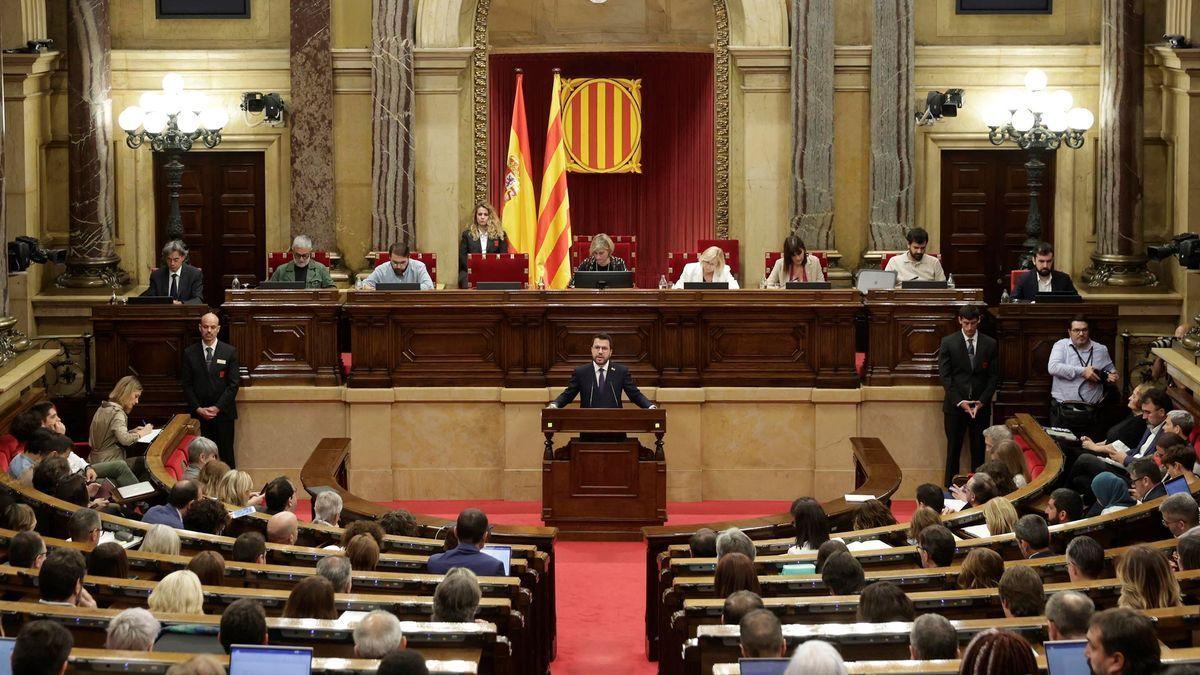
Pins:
x,y
892,108
11,340
812,122
312,123
1119,259
92,261
393,164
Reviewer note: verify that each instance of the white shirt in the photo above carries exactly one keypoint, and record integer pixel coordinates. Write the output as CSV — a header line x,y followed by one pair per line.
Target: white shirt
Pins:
x,y
597,369
693,272
1044,286
928,268
483,241
1148,446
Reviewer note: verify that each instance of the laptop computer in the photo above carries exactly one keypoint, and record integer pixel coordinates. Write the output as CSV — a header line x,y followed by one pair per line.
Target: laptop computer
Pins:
x,y
1057,296
498,286
149,300
399,286
775,666
870,280
6,650
501,553
258,659
282,285
809,285
1066,657
706,285
1177,485
602,280
922,283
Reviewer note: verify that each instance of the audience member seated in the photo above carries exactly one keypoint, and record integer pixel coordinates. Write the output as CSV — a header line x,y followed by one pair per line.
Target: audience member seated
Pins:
x,y
400,268
207,516
1068,614
978,490
811,524
1122,641
1155,404
377,635
201,664
795,264
1177,458
283,528
84,526
883,601
921,518
761,635
1009,454
1187,552
872,514
42,648
21,466
363,527
1111,493
997,651
403,662
1146,580
999,515
337,569
932,637
994,436
1076,387
933,496
935,547
108,560
1182,424
733,539
178,593
980,569
134,630
816,657
738,605
710,268
237,488
1064,506
399,522
1021,592
363,552
110,435
456,598
209,568
180,498
843,574
279,495
312,598
43,415
200,452
250,547
243,623
1033,537
210,478
327,509
471,530
1179,513
735,572
27,549
703,543
914,264
1146,479
1085,559
1000,475
20,518
303,267
60,580
161,539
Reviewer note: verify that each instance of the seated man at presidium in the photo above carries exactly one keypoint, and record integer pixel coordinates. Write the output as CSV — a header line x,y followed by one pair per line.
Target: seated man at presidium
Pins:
x,y
1043,278
176,279
601,381
915,265
399,270
302,267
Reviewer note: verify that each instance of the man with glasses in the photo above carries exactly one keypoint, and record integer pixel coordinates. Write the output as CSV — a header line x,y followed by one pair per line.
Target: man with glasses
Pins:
x,y
401,269
302,267
1179,514
1117,457
1080,369
1146,480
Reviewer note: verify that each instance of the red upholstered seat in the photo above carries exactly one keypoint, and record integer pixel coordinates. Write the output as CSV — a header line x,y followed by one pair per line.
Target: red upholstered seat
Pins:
x,y
430,260
276,259
9,447
729,246
892,254
675,262
625,250
771,256
1012,279
176,461
497,267
1033,460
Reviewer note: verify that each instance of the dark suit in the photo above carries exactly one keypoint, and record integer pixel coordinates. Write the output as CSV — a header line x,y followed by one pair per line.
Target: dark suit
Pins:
x,y
468,243
1088,466
1159,490
583,384
466,555
163,514
965,380
213,384
1027,284
190,288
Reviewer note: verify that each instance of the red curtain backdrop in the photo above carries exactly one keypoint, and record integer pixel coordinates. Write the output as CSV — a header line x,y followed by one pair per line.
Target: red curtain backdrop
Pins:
x,y
670,204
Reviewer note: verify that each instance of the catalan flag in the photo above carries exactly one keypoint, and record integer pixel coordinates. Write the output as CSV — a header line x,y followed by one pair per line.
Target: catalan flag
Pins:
x,y
518,212
602,123
554,209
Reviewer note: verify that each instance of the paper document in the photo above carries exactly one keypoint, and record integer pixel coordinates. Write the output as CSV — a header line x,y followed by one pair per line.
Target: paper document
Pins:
x,y
859,498
955,505
136,490
866,545
149,438
977,530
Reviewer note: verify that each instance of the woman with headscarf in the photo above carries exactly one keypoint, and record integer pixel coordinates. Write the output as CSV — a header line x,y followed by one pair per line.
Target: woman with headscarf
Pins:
x,y
1112,494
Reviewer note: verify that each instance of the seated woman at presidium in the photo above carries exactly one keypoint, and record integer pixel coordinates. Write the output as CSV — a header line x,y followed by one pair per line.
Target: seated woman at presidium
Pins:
x,y
483,235
110,434
794,265
302,267
710,269
600,257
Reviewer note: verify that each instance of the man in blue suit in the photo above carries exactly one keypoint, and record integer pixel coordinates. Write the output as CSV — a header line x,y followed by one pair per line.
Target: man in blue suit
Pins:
x,y
471,530
179,500
600,383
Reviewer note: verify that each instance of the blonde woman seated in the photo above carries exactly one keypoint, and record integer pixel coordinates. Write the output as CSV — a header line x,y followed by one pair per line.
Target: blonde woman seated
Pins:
x,y
711,268
999,515
179,592
795,265
1010,455
110,434
1146,580
237,488
600,257
161,539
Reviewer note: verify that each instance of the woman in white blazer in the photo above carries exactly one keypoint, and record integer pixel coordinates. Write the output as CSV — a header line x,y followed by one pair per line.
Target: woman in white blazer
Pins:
x,y
795,265
711,268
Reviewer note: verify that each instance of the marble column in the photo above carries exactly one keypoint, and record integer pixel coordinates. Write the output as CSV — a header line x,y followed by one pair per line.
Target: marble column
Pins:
x,y
311,111
1119,259
812,122
393,162
893,57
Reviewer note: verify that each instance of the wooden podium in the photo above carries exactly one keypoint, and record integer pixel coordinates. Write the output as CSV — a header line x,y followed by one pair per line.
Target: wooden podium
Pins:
x,y
603,490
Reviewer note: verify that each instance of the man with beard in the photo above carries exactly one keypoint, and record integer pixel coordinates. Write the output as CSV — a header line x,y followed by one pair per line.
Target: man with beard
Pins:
x,y
915,265
1043,277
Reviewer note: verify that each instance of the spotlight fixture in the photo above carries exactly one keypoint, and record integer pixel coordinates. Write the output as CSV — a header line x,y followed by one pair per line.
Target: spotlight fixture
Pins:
x,y
270,106
939,105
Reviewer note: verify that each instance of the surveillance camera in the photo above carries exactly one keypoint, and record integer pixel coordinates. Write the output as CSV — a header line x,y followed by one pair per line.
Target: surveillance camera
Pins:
x,y
1177,41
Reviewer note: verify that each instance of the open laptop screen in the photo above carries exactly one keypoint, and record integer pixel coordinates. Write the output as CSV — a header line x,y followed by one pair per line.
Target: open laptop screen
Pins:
x,y
258,659
501,553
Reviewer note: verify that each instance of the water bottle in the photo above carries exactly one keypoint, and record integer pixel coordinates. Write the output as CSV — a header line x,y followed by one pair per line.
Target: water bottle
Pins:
x,y
236,284
1004,299
950,281
762,284
662,283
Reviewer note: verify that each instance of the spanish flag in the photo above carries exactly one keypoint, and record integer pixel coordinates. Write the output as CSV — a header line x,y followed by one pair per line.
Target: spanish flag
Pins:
x,y
517,211
554,217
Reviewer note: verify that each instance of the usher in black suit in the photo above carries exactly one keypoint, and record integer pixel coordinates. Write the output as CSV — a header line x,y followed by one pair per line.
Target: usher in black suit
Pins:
x,y
617,379
189,291
213,383
965,379
1027,284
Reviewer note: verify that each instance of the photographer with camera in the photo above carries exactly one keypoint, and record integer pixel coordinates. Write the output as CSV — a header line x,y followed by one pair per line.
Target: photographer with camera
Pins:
x,y
1080,369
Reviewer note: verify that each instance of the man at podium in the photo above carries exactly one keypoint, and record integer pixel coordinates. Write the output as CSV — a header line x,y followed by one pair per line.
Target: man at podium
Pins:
x,y
601,382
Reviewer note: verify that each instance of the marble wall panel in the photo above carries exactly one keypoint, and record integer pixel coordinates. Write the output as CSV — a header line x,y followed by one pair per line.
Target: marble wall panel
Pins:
x,y
311,109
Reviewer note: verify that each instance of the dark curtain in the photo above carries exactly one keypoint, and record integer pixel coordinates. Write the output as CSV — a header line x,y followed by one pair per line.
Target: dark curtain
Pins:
x,y
670,204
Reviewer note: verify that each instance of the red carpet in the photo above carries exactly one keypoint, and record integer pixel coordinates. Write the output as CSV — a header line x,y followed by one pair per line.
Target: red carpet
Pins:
x,y
601,597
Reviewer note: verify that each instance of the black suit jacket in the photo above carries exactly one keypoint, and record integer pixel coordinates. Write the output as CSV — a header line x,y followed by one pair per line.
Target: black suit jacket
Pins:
x,y
1159,490
217,384
961,380
583,384
468,243
1027,286
191,284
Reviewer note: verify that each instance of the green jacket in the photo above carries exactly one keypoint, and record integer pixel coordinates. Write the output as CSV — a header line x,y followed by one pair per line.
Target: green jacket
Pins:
x,y
318,274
